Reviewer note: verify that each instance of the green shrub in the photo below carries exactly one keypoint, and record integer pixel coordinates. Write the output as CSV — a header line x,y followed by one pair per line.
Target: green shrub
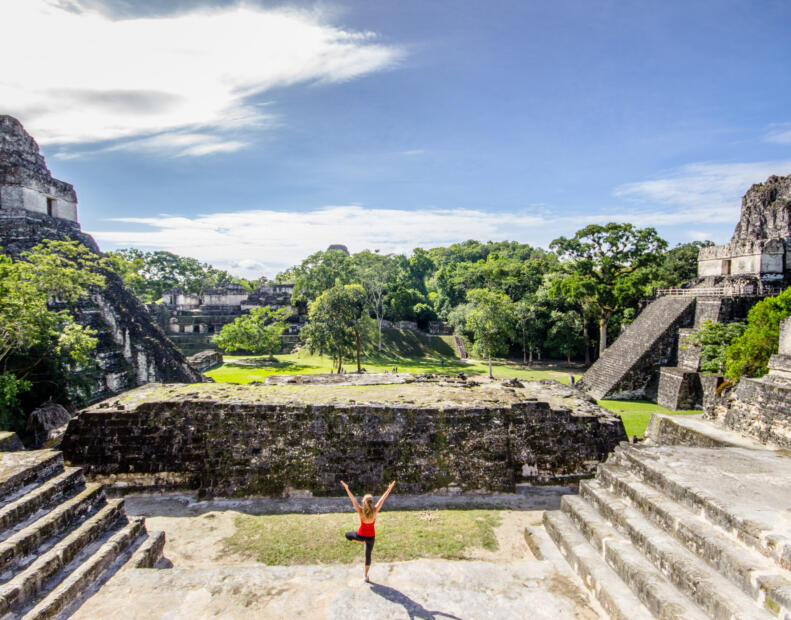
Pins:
x,y
12,417
748,355
714,340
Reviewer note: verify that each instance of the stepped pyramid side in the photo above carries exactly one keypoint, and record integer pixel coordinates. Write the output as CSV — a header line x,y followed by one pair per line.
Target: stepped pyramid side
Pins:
x,y
689,524
132,349
629,366
61,536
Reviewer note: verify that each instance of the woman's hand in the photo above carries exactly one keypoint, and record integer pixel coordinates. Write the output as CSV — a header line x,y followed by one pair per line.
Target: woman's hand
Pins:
x,y
344,485
392,484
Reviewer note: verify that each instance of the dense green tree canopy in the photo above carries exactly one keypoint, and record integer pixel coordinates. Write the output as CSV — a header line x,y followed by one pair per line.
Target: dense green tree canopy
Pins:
x,y
150,274
608,267
601,274
260,331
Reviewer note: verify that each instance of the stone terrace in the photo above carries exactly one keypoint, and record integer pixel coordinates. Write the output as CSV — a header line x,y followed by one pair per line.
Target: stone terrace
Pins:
x,y
694,523
59,536
231,440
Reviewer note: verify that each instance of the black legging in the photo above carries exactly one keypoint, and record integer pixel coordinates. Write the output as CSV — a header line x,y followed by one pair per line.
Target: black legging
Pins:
x,y
369,544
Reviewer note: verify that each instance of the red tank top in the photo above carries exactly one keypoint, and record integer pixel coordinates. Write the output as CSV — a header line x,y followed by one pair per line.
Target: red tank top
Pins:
x,y
367,529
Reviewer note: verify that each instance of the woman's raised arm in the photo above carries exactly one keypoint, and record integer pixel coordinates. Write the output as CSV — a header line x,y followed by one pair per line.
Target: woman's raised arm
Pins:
x,y
351,497
384,496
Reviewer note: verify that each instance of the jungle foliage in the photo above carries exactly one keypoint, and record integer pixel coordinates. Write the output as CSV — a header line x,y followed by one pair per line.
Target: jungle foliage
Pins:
x,y
39,337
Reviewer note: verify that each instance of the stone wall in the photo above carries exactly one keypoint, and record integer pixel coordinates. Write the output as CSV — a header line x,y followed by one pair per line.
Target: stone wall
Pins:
x,y
232,448
25,181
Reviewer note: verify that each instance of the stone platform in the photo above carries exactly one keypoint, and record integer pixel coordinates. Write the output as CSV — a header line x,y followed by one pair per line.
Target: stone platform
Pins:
x,y
60,537
694,523
421,589
274,440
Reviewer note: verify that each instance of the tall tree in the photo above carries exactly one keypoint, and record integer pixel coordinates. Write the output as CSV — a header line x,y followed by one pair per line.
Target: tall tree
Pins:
x,y
491,320
260,331
531,320
565,333
608,267
335,322
375,272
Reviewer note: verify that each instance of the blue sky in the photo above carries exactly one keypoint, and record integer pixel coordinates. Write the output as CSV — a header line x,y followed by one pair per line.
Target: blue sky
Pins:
x,y
249,135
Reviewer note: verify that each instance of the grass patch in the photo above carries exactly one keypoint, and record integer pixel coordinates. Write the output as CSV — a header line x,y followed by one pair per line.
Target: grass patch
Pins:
x,y
636,413
245,369
408,350
285,540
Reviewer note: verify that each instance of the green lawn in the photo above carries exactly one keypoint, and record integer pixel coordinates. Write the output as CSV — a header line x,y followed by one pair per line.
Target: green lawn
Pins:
x,y
400,535
244,369
636,413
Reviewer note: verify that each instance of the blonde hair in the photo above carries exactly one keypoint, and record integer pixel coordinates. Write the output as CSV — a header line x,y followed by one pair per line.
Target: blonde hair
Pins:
x,y
368,506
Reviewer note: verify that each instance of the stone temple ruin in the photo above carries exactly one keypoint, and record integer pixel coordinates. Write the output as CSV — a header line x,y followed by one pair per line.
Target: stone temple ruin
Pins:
x,y
191,320
132,350
650,359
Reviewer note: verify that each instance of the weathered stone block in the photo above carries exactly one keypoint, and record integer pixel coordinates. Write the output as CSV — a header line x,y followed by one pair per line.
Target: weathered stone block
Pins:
x,y
257,448
678,388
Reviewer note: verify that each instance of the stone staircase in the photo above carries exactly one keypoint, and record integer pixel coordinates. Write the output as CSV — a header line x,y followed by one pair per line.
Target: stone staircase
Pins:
x,y
692,524
60,537
460,349
630,364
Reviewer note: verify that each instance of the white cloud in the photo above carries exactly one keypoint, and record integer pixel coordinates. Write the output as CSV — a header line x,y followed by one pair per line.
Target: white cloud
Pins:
x,y
251,242
780,136
699,192
77,76
696,202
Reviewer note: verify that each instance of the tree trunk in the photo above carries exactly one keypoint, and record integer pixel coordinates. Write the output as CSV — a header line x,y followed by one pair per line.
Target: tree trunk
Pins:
x,y
340,362
379,326
491,376
357,342
568,359
530,359
524,351
587,344
603,321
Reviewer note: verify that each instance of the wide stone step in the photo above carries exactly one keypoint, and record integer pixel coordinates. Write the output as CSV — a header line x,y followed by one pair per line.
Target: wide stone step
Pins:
x,y
47,493
711,591
747,504
25,586
27,540
21,469
753,573
655,591
84,576
613,594
149,552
